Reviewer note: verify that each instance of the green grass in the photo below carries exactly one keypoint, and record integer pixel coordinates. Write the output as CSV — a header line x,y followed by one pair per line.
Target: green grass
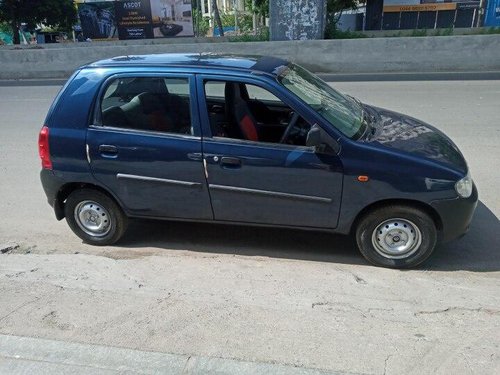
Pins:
x,y
262,36
419,32
491,30
444,32
332,32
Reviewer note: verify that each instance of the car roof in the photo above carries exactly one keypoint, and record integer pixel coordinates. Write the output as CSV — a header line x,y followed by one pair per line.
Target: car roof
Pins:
x,y
265,64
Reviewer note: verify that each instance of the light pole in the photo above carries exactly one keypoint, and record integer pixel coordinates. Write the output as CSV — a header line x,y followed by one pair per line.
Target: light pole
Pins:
x,y
235,8
254,18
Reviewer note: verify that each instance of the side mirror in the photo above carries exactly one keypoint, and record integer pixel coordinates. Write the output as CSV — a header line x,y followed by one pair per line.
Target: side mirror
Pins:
x,y
313,136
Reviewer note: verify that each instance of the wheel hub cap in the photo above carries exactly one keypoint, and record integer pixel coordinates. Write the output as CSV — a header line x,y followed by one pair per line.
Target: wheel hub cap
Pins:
x,y
93,218
396,238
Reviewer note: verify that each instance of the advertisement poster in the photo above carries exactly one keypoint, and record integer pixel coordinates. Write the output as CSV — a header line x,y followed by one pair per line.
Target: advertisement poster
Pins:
x,y
172,18
97,20
134,19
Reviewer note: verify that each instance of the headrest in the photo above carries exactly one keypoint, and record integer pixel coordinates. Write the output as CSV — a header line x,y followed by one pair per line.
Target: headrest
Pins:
x,y
135,86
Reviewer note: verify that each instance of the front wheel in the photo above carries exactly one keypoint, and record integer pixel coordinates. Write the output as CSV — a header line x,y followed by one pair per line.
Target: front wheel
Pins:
x,y
396,236
95,217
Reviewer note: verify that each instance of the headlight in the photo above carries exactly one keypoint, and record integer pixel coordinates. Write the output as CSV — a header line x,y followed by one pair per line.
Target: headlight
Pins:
x,y
464,186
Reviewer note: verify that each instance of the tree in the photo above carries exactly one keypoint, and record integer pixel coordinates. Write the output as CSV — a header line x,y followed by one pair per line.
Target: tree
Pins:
x,y
260,10
55,13
334,9
218,21
262,7
337,6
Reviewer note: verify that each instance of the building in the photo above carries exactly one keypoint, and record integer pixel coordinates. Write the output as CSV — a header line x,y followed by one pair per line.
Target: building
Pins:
x,y
422,14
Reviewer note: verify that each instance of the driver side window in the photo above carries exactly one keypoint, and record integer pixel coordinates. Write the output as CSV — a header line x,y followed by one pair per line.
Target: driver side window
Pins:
x,y
244,111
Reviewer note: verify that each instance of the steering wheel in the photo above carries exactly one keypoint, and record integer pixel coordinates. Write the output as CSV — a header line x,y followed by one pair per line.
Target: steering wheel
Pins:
x,y
291,124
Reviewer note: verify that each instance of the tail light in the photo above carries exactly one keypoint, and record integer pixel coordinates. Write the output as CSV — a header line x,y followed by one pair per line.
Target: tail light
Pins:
x,y
43,148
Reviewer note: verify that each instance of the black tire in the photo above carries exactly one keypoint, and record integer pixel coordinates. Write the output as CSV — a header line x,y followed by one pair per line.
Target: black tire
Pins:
x,y
378,235
104,209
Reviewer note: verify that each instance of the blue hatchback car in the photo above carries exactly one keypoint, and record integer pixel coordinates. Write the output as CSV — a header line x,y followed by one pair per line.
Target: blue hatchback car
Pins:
x,y
248,140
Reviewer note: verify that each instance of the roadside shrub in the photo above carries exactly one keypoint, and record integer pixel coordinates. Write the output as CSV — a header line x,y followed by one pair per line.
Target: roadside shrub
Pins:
x,y
245,21
261,36
494,30
331,32
201,24
419,32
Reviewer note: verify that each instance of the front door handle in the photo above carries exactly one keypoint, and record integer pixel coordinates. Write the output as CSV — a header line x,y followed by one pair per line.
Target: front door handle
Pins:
x,y
230,162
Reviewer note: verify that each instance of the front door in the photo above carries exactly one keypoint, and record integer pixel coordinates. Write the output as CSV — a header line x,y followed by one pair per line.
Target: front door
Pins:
x,y
272,178
145,146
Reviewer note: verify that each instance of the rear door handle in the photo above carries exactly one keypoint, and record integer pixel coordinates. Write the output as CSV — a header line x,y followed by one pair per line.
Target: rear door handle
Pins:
x,y
108,150
230,162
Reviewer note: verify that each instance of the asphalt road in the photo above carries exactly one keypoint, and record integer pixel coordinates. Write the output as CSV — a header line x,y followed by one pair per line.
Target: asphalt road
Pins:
x,y
260,296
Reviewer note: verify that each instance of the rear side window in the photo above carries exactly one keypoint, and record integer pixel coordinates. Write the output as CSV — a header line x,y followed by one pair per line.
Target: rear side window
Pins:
x,y
159,104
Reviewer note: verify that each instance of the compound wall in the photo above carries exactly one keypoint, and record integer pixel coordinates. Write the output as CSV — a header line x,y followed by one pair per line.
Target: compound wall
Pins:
x,y
369,55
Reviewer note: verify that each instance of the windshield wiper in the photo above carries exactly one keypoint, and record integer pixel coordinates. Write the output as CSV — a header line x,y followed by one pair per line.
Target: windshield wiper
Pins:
x,y
369,120
366,118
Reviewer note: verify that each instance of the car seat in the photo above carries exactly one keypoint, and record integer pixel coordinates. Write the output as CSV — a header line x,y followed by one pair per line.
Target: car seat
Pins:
x,y
238,111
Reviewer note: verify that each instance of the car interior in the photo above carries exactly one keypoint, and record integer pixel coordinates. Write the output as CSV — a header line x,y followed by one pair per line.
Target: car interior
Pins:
x,y
236,110
146,103
259,116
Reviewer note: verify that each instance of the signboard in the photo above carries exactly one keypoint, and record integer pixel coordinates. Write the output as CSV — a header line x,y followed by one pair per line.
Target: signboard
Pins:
x,y
134,19
428,5
428,14
420,7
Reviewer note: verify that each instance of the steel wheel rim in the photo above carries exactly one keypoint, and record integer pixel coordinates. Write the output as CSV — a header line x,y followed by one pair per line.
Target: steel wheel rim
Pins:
x,y
396,238
92,218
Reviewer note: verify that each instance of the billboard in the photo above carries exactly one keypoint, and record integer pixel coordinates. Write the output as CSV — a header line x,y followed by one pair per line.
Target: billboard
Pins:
x,y
135,19
172,18
97,20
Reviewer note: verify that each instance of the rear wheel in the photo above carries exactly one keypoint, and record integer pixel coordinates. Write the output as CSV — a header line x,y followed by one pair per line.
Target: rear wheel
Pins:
x,y
95,217
396,236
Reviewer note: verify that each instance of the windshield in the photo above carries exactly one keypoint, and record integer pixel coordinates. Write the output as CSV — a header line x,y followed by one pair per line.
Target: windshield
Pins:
x,y
341,111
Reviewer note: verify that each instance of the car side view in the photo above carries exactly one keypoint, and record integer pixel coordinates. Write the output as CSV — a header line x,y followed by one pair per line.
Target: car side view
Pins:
x,y
248,140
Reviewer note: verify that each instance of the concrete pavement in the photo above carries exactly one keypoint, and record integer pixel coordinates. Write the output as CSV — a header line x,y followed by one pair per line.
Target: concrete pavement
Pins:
x,y
249,296
22,355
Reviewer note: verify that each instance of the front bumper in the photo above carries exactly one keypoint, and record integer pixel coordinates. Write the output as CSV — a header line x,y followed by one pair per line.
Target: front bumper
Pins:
x,y
456,215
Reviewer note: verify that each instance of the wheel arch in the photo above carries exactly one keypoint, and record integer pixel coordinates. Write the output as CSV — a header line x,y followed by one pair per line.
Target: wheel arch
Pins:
x,y
428,209
69,188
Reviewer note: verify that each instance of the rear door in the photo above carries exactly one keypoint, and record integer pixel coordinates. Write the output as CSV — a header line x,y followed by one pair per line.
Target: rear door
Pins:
x,y
268,182
145,146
